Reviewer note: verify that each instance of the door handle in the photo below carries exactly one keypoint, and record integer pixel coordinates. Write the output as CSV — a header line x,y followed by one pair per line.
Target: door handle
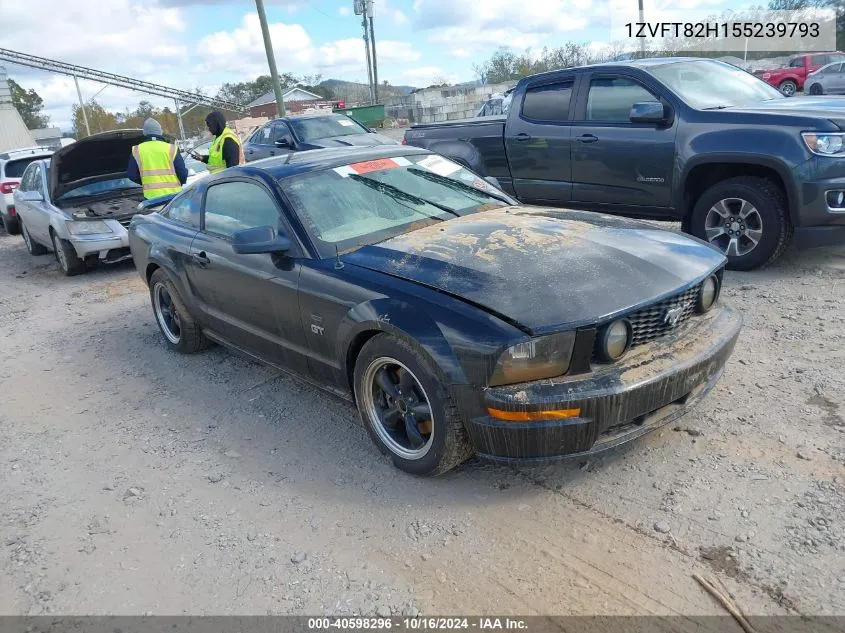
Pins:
x,y
587,138
201,258
522,137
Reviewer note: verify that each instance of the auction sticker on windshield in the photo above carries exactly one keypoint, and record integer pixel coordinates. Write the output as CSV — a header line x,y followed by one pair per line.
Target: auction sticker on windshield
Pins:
x,y
382,164
439,165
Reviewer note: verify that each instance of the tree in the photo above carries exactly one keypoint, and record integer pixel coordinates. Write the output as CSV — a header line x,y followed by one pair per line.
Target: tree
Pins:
x,y
245,92
800,5
29,106
99,119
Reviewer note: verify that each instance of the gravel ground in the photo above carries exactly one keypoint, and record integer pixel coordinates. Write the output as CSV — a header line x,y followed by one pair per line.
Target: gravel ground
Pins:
x,y
134,480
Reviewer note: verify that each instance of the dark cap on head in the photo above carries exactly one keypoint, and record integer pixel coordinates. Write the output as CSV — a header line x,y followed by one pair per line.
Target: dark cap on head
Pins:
x,y
216,122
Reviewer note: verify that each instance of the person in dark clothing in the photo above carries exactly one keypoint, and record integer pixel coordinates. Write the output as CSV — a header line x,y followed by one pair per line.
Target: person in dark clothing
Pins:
x,y
153,132
226,149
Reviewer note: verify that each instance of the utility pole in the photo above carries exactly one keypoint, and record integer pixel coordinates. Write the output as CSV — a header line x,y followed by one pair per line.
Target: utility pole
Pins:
x,y
179,118
370,13
271,59
361,9
642,39
82,105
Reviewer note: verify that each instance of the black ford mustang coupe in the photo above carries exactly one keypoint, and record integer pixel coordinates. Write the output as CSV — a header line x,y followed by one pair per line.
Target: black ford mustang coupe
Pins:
x,y
457,320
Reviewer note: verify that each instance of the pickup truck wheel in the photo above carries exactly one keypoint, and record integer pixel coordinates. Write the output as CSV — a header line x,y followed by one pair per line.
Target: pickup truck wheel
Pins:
x,y
746,219
66,257
181,332
788,88
32,246
405,408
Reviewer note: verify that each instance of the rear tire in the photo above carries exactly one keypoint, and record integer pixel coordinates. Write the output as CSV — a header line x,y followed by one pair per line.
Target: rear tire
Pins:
x,y
12,225
32,246
66,257
420,406
731,214
180,330
788,88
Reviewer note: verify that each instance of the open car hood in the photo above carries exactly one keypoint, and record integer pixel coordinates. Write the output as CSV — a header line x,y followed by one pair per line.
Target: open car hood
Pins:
x,y
99,157
545,269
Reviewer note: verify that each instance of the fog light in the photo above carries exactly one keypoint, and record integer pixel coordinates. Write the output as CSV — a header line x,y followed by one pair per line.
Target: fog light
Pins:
x,y
614,340
707,294
836,199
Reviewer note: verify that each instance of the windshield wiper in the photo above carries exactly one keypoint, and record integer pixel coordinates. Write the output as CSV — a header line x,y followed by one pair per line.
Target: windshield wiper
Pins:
x,y
718,107
398,194
455,184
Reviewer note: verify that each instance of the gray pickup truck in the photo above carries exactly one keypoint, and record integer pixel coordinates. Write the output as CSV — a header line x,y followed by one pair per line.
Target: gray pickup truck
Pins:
x,y
692,140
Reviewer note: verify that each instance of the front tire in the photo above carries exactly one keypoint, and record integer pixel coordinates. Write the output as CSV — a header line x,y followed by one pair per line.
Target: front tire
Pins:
x,y
816,90
181,332
32,246
745,218
406,408
66,257
788,88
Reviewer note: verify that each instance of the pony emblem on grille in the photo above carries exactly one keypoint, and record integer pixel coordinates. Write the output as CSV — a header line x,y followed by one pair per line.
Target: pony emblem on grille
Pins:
x,y
673,315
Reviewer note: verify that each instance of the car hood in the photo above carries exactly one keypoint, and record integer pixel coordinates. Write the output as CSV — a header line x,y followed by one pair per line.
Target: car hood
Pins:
x,y
99,157
831,108
351,140
545,269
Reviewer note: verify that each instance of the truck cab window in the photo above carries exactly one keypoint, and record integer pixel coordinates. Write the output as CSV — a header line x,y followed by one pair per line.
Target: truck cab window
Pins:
x,y
610,99
547,103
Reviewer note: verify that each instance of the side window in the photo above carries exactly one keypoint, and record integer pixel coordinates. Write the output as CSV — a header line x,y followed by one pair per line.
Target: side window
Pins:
x,y
27,176
234,206
182,211
265,135
796,63
548,103
819,60
37,181
280,131
610,99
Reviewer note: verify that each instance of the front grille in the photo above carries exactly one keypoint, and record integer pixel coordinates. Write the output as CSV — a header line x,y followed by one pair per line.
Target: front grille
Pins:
x,y
651,322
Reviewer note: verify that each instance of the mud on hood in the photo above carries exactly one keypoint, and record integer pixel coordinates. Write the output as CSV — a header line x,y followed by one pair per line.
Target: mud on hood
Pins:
x,y
545,269
99,157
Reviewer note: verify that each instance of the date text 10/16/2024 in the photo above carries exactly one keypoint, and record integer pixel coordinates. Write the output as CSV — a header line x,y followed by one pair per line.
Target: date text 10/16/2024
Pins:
x,y
417,624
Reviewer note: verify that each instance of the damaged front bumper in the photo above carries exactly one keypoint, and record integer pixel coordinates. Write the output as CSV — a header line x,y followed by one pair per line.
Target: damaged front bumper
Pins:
x,y
653,385
108,248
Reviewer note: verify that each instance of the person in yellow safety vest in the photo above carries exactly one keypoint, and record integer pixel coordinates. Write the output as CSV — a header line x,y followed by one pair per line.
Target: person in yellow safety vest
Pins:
x,y
157,165
226,150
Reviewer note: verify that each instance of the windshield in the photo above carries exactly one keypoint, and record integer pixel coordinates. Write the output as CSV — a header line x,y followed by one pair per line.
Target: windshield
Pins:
x,y
712,85
104,186
369,202
312,128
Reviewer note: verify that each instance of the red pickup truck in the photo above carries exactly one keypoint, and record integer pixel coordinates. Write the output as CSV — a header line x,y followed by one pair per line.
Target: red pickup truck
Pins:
x,y
790,80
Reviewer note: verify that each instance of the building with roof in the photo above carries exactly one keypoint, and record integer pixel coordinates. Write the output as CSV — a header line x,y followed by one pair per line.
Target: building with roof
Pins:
x,y
13,132
296,100
47,137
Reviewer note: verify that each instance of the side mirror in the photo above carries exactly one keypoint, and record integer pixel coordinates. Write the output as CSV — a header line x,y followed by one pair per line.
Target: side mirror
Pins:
x,y
494,182
283,142
373,130
649,112
29,196
262,239
152,203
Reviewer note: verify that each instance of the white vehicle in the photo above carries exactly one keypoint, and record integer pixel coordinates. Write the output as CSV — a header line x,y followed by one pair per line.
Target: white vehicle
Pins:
x,y
12,165
79,203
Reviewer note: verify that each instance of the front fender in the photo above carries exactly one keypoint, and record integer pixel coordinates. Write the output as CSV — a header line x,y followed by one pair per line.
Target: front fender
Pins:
x,y
404,321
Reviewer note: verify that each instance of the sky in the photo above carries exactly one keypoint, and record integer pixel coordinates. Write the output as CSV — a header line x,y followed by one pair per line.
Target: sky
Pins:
x,y
205,43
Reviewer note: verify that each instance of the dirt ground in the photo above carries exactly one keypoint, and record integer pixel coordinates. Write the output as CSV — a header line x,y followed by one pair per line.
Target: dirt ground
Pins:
x,y
134,480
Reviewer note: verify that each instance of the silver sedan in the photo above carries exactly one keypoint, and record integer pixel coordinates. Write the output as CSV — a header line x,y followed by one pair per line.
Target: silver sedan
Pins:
x,y
827,80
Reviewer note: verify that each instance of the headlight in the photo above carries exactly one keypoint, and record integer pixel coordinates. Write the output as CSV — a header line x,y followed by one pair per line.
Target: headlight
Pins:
x,y
88,227
539,358
614,340
707,294
826,144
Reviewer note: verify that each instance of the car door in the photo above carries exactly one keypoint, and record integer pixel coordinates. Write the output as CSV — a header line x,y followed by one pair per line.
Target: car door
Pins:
x,y
617,164
834,79
252,300
259,143
37,218
537,142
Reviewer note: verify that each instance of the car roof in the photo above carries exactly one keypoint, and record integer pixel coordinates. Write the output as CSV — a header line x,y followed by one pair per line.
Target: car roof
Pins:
x,y
320,159
24,152
645,64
